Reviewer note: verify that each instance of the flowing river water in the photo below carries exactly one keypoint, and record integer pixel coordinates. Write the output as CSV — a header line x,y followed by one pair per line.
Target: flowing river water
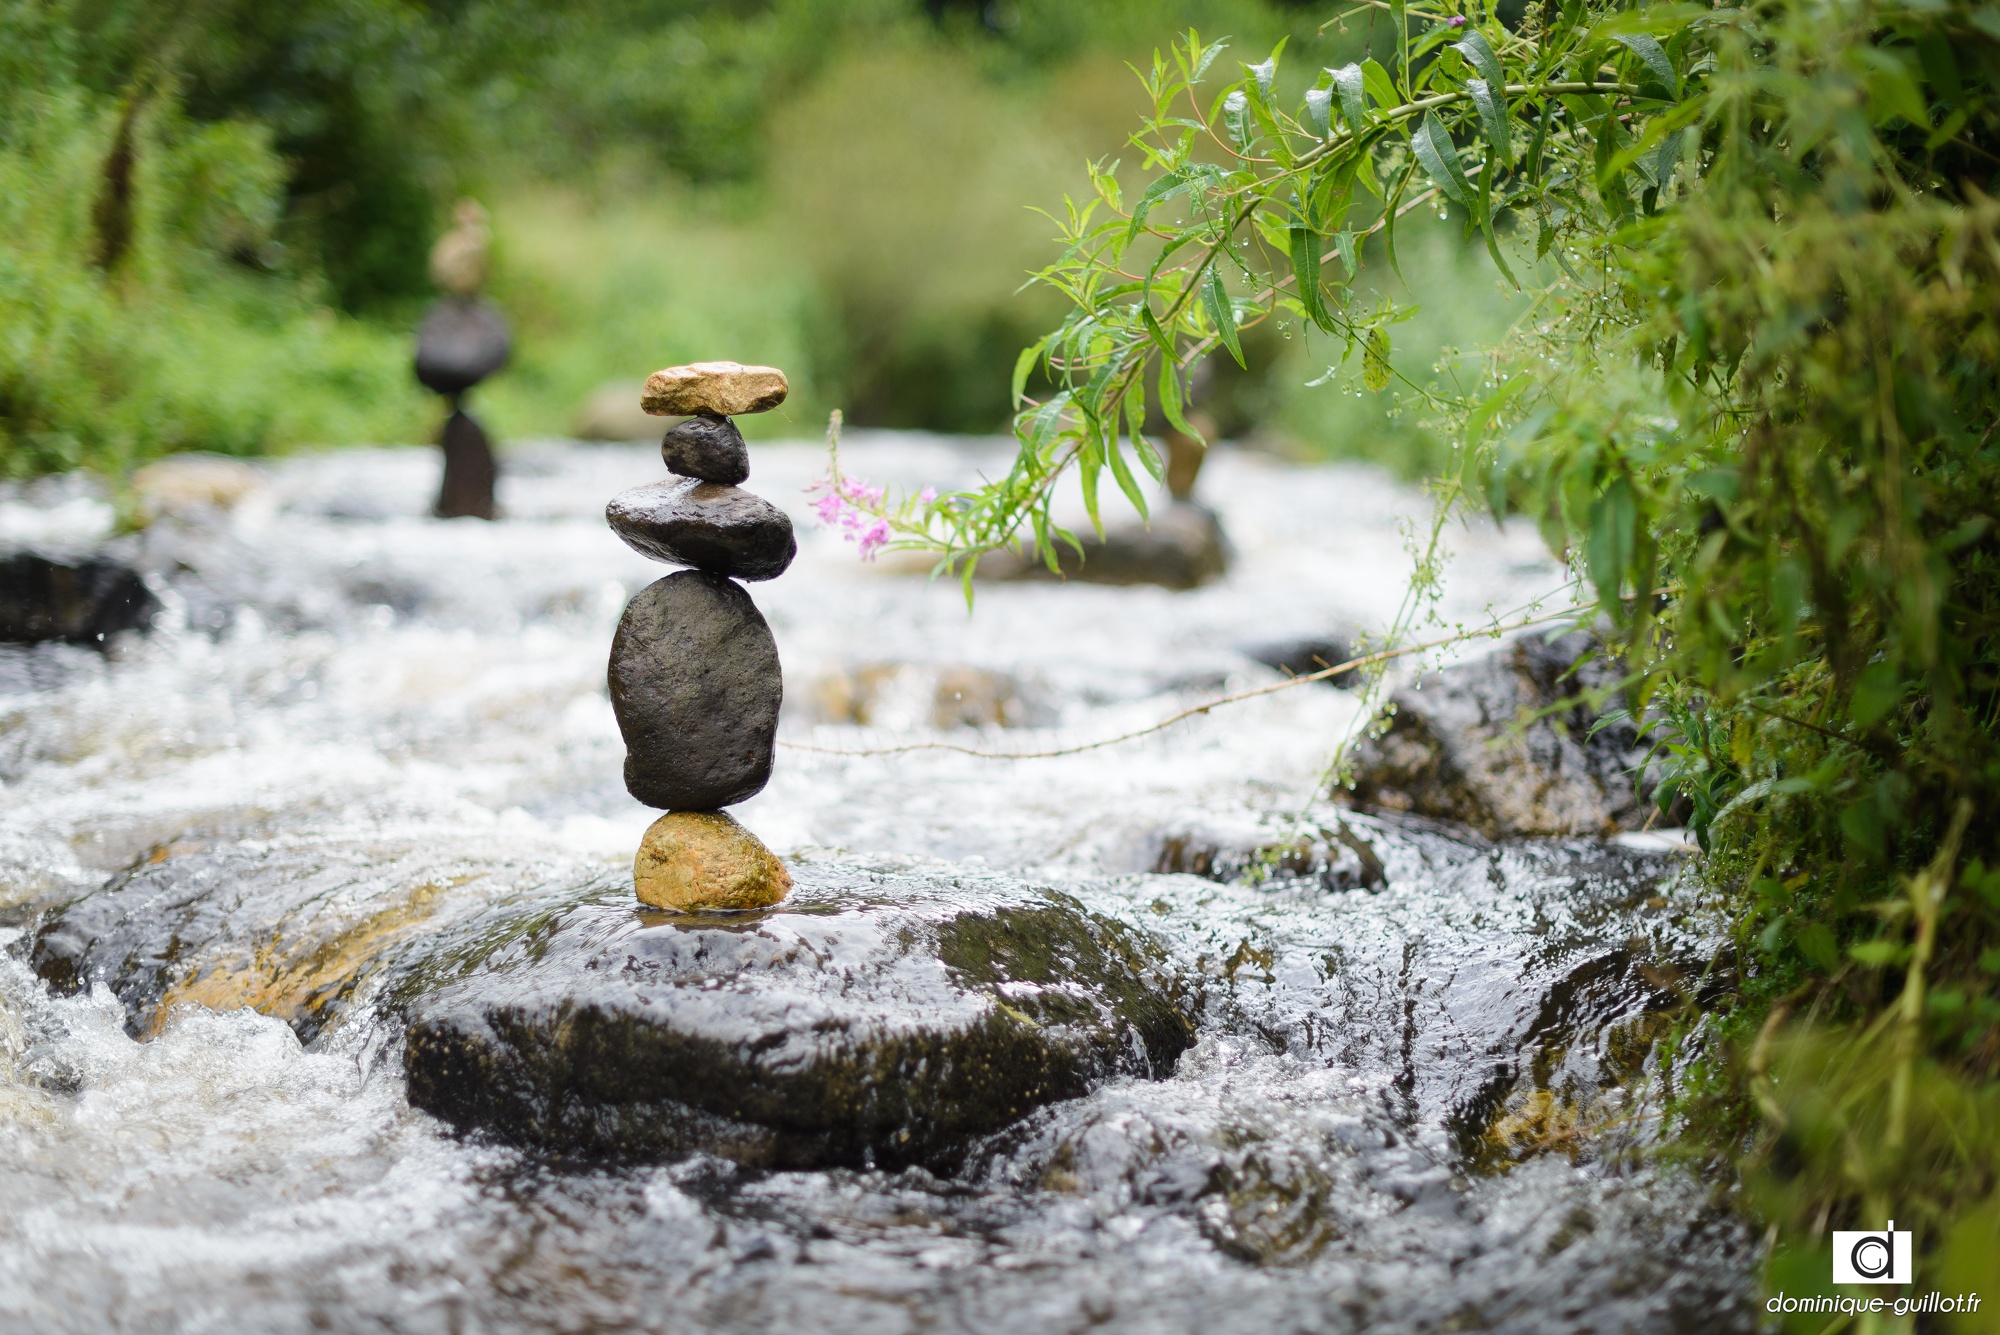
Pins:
x,y
1419,1099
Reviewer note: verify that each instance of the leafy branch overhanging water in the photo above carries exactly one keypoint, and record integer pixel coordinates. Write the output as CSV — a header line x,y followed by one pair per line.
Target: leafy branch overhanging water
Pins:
x,y
1760,369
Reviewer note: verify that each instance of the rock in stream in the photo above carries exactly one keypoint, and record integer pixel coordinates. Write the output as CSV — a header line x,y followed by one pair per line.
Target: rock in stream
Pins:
x,y
886,1022
1455,748
1435,1075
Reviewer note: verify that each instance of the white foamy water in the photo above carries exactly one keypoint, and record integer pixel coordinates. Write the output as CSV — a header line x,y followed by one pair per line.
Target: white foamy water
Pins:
x,y
425,701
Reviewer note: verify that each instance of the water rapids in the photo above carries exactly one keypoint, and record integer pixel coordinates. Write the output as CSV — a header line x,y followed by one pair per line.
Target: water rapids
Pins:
x,y
1417,1104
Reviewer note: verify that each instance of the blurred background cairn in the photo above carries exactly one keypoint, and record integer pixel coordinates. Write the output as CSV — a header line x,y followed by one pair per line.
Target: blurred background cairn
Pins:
x,y
462,341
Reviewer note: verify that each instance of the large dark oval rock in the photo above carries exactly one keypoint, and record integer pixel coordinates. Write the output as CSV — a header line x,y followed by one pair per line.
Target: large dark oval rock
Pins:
x,y
688,522
886,1028
696,686
460,343
710,448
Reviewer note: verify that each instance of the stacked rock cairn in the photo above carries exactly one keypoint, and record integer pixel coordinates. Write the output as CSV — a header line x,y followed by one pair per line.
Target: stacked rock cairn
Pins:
x,y
694,673
462,341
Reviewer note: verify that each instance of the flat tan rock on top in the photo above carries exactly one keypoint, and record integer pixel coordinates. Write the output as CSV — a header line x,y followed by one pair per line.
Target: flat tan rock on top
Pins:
x,y
717,389
695,860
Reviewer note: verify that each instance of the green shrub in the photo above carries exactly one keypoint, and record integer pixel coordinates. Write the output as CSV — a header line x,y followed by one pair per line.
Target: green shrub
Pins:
x,y
125,329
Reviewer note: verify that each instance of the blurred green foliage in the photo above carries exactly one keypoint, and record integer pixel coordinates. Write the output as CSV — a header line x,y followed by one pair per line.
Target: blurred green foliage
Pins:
x,y
844,188
126,328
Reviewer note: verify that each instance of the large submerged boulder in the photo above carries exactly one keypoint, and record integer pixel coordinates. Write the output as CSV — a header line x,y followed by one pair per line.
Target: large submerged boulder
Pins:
x,y
1455,748
887,1017
866,1022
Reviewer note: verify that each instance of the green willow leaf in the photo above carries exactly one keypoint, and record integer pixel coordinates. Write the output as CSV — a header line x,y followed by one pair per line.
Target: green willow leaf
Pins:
x,y
1647,47
1380,86
1492,116
1305,271
1666,157
1608,550
1319,110
1236,117
1135,426
1476,49
1343,246
1264,71
1440,158
1216,298
1170,397
1159,192
1024,365
1350,83
1207,58
1122,473
1375,360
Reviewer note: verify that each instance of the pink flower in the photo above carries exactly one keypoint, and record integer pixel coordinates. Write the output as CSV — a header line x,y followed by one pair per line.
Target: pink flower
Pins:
x,y
877,533
1455,21
828,507
927,495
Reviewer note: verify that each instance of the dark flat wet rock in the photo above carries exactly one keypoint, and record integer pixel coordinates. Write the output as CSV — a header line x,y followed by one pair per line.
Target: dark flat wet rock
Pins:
x,y
1311,654
709,448
1452,751
696,686
81,601
303,929
871,1020
1181,547
714,528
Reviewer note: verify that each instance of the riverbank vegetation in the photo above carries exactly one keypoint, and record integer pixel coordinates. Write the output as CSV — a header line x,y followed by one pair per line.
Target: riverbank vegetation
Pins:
x,y
1752,402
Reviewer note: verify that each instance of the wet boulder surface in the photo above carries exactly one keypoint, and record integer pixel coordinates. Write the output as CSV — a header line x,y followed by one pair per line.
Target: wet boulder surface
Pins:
x,y
1411,1091
1456,747
867,1022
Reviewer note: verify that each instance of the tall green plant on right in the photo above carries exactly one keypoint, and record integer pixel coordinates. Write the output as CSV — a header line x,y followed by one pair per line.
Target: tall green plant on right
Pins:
x,y
1755,409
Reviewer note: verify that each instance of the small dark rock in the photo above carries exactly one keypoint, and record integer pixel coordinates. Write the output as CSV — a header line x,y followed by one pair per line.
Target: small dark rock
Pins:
x,y
710,448
696,686
722,530
1451,751
889,1029
1182,547
461,341
1302,658
82,601
1331,854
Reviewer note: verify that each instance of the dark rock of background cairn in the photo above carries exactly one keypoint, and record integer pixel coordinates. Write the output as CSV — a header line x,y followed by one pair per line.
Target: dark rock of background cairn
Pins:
x,y
694,673
462,341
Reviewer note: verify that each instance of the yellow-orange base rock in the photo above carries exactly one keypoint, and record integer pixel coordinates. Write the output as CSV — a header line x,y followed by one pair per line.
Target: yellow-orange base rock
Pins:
x,y
693,861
